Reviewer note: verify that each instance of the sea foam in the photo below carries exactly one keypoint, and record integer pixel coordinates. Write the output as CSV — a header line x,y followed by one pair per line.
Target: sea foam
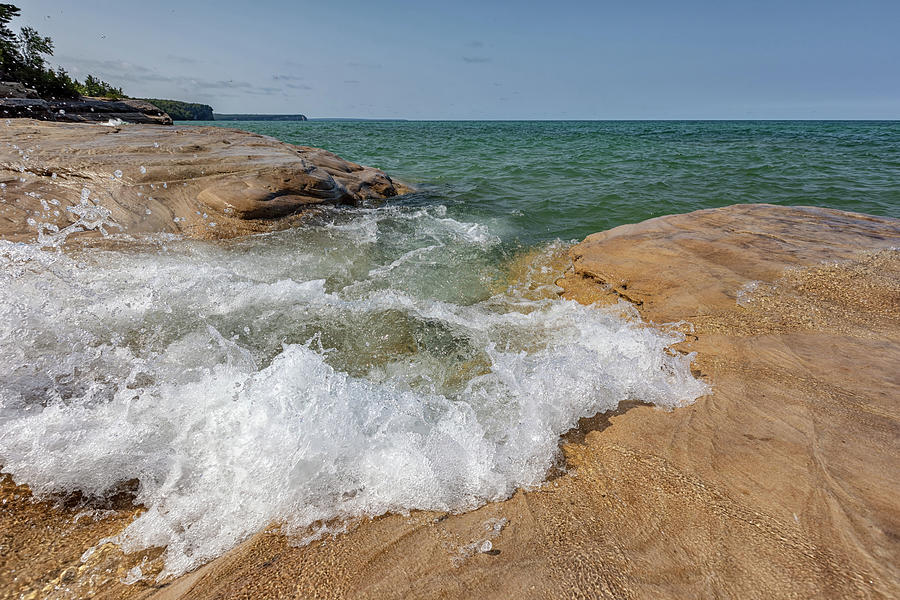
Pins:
x,y
302,378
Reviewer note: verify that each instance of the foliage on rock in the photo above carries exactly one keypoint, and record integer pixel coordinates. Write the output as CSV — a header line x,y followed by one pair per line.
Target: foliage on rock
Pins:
x,y
183,111
23,60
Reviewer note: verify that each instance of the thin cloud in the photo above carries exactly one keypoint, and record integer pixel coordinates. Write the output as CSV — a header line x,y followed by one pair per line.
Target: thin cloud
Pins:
x,y
118,67
124,73
476,59
185,60
280,77
363,65
294,82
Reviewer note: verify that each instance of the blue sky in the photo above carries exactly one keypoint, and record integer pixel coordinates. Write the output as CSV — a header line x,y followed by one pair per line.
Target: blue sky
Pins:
x,y
492,60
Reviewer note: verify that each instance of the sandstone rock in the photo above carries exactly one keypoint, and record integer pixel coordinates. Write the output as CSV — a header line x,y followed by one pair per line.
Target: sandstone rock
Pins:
x,y
684,266
198,181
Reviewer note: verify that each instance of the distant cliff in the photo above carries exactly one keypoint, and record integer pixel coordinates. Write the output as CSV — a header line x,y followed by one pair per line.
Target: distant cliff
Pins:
x,y
220,117
183,111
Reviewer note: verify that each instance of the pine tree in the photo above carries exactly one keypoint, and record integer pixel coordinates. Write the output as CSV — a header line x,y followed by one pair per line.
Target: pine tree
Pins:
x,y
9,44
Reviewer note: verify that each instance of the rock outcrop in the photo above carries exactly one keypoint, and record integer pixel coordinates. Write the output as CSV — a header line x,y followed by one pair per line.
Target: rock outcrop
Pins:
x,y
198,181
14,89
84,110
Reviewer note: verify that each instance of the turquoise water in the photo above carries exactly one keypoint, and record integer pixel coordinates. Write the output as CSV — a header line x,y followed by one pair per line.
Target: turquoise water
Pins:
x,y
544,180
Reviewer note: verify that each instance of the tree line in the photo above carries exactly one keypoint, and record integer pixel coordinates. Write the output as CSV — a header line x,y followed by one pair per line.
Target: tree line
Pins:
x,y
22,59
183,111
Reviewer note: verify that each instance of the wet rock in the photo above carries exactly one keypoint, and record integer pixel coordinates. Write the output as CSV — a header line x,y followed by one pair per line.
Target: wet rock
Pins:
x,y
204,182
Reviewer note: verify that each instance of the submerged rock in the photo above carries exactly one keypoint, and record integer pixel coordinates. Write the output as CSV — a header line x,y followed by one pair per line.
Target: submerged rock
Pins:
x,y
206,182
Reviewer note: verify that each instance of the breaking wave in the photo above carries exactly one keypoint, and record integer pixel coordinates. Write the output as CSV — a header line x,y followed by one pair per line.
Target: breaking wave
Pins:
x,y
376,360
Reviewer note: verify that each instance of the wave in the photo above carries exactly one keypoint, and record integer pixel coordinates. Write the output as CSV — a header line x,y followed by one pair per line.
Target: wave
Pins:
x,y
302,378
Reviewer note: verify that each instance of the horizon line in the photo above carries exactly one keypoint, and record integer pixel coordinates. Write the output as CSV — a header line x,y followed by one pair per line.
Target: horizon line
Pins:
x,y
583,120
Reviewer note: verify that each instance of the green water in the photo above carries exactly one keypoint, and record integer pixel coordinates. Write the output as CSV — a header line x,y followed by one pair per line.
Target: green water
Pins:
x,y
409,355
544,180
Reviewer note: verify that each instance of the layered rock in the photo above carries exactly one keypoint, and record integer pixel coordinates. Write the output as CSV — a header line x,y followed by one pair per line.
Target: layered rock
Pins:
x,y
197,181
84,110
781,483
14,89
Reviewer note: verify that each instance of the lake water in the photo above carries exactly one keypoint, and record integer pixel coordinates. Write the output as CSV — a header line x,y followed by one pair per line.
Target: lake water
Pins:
x,y
408,355
541,180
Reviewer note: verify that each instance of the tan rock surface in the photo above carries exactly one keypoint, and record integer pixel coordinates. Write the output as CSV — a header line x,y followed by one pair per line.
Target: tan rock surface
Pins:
x,y
197,181
783,483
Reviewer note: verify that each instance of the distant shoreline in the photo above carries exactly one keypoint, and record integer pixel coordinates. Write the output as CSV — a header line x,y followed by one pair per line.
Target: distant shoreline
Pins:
x,y
375,119
254,117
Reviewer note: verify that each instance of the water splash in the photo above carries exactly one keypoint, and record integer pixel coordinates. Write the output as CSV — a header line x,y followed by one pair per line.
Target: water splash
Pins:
x,y
304,377
91,216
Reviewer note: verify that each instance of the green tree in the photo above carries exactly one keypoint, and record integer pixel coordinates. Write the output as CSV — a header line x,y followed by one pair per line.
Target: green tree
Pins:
x,y
183,111
9,46
22,58
94,86
33,47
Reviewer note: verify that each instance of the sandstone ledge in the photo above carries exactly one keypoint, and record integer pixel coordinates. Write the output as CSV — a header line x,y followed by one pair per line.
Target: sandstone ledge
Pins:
x,y
206,182
84,110
781,483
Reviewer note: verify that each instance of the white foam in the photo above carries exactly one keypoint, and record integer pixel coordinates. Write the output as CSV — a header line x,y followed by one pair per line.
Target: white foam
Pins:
x,y
745,293
273,380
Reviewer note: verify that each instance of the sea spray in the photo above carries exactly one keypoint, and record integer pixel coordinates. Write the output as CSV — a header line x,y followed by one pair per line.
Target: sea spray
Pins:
x,y
360,365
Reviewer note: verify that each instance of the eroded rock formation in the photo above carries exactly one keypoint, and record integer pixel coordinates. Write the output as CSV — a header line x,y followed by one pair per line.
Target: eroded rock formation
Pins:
x,y
198,181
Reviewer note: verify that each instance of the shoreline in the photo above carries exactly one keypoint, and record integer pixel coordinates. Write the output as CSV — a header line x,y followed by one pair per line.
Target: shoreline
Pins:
x,y
777,483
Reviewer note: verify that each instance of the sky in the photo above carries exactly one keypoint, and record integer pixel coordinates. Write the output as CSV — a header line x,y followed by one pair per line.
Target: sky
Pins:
x,y
462,59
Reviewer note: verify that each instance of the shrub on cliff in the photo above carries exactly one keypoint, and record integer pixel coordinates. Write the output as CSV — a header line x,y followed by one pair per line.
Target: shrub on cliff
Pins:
x,y
94,86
